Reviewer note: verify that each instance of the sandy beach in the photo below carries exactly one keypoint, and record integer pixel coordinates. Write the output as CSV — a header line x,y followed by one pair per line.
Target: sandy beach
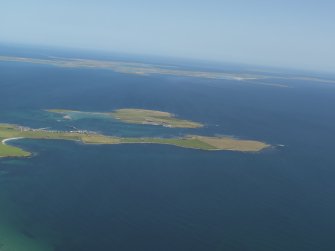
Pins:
x,y
10,139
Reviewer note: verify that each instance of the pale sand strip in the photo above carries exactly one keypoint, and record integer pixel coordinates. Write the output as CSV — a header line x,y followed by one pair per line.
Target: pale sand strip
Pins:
x,y
10,139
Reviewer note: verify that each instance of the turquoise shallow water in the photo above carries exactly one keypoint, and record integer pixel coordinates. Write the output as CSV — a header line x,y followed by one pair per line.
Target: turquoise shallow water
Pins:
x,y
76,197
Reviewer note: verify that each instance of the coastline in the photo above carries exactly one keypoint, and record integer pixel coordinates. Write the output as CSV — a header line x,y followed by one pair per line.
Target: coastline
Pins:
x,y
4,141
207,143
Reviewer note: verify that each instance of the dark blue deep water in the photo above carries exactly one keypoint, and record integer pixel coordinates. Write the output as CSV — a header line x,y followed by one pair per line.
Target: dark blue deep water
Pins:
x,y
154,197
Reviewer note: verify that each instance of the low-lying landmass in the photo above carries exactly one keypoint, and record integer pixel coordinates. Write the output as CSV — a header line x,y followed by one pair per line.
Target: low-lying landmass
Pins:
x,y
11,151
135,116
9,131
130,67
248,76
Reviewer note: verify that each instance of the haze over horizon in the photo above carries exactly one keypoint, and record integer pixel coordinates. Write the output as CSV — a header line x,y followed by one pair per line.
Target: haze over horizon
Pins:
x,y
290,34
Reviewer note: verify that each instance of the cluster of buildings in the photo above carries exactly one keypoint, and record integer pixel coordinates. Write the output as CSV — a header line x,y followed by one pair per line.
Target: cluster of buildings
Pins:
x,y
28,129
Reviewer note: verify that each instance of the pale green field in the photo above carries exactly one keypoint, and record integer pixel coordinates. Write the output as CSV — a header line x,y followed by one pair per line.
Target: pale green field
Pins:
x,y
11,151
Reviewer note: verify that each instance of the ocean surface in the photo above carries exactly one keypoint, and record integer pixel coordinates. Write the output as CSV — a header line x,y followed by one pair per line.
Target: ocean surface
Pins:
x,y
75,197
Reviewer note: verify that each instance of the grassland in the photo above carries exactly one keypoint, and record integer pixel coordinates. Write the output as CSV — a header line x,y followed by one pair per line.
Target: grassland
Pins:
x,y
137,116
8,131
151,117
10,151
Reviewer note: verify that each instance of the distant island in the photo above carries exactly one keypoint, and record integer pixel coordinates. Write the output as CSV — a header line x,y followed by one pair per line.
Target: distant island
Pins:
x,y
11,132
135,116
130,67
141,68
250,77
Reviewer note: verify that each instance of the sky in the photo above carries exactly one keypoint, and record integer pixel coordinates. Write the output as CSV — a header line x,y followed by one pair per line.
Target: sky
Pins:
x,y
296,34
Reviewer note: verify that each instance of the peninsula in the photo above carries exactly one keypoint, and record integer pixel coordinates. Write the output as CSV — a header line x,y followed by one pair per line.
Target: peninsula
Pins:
x,y
10,131
134,116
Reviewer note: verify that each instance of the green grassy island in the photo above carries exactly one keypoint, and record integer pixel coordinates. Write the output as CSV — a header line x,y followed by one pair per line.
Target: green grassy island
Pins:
x,y
11,132
136,116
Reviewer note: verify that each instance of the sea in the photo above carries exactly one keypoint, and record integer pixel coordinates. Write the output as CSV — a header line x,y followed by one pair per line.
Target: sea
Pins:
x,y
74,197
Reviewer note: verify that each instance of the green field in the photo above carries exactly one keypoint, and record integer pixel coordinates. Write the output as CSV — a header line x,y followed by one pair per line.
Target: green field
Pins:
x,y
10,151
151,117
135,116
8,131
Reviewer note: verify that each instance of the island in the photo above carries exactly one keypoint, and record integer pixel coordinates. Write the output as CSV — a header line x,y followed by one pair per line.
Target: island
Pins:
x,y
11,132
137,68
133,116
144,69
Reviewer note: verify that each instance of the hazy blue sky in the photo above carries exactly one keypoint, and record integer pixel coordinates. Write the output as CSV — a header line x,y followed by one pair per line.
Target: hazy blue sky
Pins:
x,y
291,33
